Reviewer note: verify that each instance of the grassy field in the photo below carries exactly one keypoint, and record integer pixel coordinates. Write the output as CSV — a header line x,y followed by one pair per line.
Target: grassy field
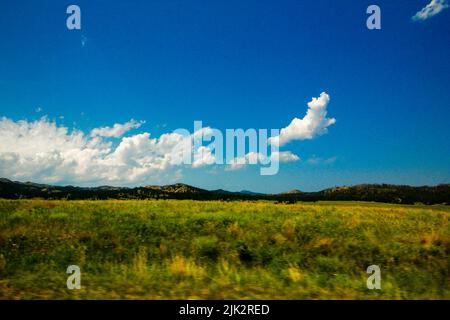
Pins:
x,y
177,249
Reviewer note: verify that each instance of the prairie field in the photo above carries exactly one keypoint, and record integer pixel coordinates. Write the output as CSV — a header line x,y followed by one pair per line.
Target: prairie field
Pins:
x,y
184,249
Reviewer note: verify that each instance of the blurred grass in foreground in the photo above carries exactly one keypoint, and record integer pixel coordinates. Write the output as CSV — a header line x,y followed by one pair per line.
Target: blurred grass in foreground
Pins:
x,y
181,249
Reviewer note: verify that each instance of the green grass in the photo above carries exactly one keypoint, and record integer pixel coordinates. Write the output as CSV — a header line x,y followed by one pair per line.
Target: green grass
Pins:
x,y
176,249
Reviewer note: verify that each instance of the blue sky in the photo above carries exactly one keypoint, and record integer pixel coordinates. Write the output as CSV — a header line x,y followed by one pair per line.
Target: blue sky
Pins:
x,y
242,64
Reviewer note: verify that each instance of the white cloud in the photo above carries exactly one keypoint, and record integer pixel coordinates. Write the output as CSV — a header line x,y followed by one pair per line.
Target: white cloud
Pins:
x,y
284,156
45,152
255,157
203,157
314,123
430,10
117,131
241,162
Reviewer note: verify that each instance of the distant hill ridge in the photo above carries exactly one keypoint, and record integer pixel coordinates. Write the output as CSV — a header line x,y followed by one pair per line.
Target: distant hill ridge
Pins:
x,y
388,193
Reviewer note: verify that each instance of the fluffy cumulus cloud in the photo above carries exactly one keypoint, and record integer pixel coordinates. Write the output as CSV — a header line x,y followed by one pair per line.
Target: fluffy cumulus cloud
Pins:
x,y
45,152
430,10
314,123
203,156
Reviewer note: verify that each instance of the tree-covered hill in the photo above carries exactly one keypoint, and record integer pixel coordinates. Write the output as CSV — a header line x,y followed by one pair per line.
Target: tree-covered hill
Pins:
x,y
365,192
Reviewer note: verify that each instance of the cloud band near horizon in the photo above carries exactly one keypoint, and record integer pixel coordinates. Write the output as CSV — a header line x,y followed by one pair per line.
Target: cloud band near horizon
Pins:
x,y
44,151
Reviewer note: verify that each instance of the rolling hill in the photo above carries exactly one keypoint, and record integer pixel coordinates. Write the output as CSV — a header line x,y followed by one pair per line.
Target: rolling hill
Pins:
x,y
365,192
